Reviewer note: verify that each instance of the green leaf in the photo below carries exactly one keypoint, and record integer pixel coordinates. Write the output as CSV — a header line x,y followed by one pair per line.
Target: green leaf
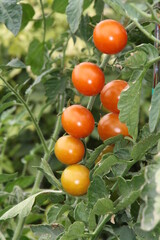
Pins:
x,y
22,182
87,3
117,6
149,49
94,155
129,190
103,206
28,13
105,165
7,177
56,211
151,197
96,190
6,105
46,232
35,56
81,212
59,6
74,12
125,233
75,231
47,171
24,208
140,149
16,63
129,103
11,15
154,110
136,60
55,86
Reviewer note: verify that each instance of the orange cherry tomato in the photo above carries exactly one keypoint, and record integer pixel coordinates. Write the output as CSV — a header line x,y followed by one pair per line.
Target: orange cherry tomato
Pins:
x,y
77,121
110,94
107,149
110,126
69,150
75,179
88,78
109,36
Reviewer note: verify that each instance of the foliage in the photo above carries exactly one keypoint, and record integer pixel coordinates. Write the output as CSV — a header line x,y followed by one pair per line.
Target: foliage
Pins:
x,y
41,43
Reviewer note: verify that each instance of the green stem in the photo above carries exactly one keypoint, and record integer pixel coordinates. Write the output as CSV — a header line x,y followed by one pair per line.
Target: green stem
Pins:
x,y
39,132
150,63
150,36
142,13
100,227
44,21
91,102
39,176
154,15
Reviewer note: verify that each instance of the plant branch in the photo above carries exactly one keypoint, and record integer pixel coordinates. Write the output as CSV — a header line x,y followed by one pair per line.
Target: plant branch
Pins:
x,y
44,21
39,132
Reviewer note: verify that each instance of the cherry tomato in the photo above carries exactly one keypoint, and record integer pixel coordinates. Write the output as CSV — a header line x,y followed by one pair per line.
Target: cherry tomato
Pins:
x,y
107,149
77,121
88,78
69,150
110,126
110,94
75,179
109,36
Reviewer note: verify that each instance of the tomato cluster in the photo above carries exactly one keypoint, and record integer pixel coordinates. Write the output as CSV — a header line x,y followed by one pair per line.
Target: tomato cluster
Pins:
x,y
109,37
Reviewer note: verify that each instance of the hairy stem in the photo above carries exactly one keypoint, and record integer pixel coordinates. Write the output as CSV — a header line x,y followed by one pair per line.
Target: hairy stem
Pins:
x,y
18,96
44,21
100,226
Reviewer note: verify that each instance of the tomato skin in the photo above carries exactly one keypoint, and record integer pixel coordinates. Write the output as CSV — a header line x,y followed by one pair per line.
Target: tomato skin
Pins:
x,y
75,180
77,121
69,150
110,94
107,149
109,36
110,126
88,78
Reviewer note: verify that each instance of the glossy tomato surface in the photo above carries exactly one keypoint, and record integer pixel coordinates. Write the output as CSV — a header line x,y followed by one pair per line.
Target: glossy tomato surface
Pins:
x,y
77,121
75,179
88,78
110,94
110,126
69,150
109,36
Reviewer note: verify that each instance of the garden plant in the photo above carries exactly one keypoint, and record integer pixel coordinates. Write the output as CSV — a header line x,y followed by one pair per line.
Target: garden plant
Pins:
x,y
79,120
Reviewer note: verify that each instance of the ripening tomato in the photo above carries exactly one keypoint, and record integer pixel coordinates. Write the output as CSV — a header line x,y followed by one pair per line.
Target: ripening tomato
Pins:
x,y
69,150
110,126
77,121
75,179
109,36
110,94
88,78
107,149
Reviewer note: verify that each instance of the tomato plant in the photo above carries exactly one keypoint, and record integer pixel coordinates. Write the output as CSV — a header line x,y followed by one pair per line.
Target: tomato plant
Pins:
x,y
110,126
69,150
75,179
110,94
110,36
107,149
77,121
88,78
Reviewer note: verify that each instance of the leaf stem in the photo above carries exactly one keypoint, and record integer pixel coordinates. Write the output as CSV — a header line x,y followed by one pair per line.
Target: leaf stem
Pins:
x,y
39,176
100,227
44,21
150,36
39,132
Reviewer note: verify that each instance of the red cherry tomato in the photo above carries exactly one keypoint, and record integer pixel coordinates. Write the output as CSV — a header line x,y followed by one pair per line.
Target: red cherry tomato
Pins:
x,y
69,150
109,36
88,78
110,126
75,180
110,94
77,121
